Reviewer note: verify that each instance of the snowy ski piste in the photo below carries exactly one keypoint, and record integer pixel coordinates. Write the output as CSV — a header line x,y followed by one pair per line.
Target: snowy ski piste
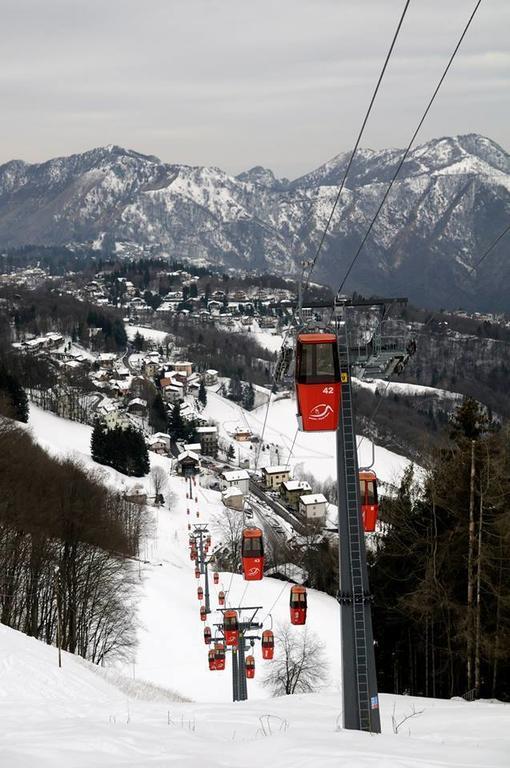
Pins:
x,y
164,707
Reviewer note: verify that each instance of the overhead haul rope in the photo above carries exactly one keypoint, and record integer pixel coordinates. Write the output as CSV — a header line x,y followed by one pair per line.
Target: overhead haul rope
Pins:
x,y
275,602
311,267
490,248
408,148
358,140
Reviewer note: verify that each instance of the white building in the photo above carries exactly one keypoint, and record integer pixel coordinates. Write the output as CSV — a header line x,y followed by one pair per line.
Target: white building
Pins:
x,y
313,506
238,477
273,477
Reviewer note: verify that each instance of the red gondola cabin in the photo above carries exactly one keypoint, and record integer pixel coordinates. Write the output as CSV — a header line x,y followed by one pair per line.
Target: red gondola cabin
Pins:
x,y
197,573
317,382
250,667
216,577
267,644
253,554
200,593
219,654
207,635
231,628
221,598
298,605
212,660
203,614
368,499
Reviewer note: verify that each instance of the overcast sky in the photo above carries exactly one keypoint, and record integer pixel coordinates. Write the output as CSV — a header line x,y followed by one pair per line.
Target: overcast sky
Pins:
x,y
237,83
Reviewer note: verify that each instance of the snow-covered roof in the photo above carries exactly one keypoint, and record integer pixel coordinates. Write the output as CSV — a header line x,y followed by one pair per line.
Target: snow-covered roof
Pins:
x,y
206,430
235,475
313,498
138,401
232,491
188,455
297,485
277,470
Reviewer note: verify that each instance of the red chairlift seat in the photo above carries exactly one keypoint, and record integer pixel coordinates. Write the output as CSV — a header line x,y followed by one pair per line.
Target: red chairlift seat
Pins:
x,y
267,644
231,628
298,604
252,554
250,667
368,499
317,380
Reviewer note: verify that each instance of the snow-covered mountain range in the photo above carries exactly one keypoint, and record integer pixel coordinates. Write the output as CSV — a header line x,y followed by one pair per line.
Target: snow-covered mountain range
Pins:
x,y
450,201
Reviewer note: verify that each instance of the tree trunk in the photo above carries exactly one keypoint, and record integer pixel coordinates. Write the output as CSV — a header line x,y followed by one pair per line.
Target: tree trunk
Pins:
x,y
470,574
478,605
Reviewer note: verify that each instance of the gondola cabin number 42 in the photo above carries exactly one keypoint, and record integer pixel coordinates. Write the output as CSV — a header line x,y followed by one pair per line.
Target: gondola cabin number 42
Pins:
x,y
318,385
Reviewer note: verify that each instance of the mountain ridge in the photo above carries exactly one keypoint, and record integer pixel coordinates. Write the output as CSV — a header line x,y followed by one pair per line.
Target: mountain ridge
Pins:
x,y
450,201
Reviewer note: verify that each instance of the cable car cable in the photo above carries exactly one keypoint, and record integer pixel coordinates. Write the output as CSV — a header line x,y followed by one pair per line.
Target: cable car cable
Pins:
x,y
275,602
301,289
490,248
356,145
408,148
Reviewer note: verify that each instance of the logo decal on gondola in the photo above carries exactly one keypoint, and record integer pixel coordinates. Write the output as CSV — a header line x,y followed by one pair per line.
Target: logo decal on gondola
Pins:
x,y
321,411
253,571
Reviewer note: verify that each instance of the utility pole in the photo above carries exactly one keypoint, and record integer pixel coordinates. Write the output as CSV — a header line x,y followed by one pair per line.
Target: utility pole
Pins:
x,y
359,680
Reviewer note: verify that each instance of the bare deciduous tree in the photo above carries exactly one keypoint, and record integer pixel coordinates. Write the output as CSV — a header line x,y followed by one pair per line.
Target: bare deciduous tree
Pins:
x,y
230,524
299,665
159,482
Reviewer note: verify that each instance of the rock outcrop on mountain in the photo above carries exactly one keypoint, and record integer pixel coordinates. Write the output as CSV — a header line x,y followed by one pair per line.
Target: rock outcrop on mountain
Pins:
x,y
450,201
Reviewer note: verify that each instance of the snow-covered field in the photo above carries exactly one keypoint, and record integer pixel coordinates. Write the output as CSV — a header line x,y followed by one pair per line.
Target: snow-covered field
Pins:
x,y
81,717
314,453
403,388
148,333
84,716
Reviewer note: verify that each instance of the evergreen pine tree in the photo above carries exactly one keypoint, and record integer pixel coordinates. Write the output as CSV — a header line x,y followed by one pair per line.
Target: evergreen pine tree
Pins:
x,y
157,414
176,425
202,393
469,420
248,397
231,454
235,389
14,396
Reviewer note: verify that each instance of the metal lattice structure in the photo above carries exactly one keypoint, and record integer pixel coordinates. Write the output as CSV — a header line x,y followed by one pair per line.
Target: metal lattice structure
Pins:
x,y
381,355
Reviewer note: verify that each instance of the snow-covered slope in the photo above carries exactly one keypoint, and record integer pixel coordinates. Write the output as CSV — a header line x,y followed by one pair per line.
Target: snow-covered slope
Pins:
x,y
451,199
84,716
313,453
80,717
